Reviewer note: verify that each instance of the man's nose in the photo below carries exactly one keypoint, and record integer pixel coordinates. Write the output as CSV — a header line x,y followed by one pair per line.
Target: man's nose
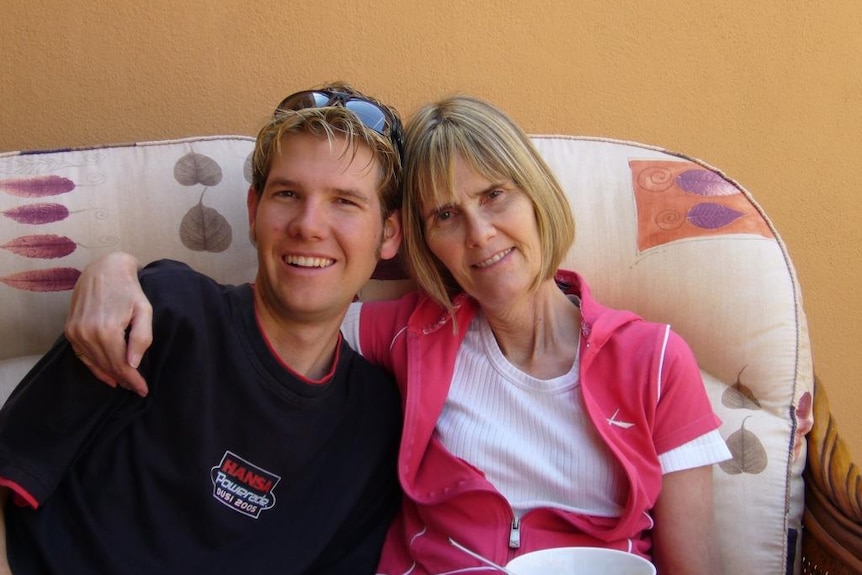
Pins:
x,y
310,220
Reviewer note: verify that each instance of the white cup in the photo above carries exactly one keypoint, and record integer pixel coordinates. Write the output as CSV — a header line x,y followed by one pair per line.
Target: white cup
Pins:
x,y
580,561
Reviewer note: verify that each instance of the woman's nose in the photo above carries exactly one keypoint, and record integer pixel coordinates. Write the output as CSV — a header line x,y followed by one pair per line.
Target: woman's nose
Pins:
x,y
479,230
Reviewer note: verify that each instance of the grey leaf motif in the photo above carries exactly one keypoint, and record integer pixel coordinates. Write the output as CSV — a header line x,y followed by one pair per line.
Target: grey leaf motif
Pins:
x,y
740,396
247,168
194,168
204,229
749,455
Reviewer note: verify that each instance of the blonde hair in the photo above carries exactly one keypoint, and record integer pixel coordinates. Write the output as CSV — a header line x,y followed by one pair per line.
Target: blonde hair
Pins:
x,y
483,136
331,122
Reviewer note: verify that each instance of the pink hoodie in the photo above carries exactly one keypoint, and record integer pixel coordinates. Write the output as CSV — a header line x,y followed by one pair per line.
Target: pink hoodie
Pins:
x,y
641,387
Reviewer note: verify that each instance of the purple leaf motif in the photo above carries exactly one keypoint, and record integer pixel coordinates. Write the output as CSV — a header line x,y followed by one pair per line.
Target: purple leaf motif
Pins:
x,y
711,216
53,279
37,186
41,246
36,214
196,168
705,183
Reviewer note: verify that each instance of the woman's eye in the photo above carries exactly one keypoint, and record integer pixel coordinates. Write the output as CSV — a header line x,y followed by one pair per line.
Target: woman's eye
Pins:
x,y
444,215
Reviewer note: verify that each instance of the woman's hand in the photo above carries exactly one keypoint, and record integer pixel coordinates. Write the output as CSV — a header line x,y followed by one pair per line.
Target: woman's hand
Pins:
x,y
107,300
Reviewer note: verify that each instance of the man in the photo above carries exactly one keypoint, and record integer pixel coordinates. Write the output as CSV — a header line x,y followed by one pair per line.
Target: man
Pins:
x,y
265,443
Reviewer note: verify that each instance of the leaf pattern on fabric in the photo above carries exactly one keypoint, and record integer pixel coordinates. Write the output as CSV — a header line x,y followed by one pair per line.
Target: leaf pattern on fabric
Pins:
x,y
204,229
26,163
247,171
682,200
37,214
705,183
49,280
748,453
739,396
37,186
194,168
711,216
41,246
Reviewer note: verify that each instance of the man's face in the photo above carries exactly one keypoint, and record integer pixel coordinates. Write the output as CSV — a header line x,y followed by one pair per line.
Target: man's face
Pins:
x,y
318,228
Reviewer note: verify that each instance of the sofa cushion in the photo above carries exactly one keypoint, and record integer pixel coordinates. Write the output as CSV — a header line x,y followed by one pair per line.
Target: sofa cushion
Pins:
x,y
13,371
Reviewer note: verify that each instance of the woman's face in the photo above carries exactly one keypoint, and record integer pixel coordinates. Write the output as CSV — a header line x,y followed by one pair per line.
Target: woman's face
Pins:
x,y
486,237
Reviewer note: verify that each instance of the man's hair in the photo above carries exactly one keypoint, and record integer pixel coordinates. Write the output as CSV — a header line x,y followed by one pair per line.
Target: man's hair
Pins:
x,y
331,122
489,142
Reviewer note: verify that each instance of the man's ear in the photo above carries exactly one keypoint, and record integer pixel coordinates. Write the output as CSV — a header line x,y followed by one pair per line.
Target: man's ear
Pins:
x,y
251,202
391,235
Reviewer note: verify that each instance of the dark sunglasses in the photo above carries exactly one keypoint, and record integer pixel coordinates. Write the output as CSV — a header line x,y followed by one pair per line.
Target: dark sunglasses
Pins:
x,y
373,116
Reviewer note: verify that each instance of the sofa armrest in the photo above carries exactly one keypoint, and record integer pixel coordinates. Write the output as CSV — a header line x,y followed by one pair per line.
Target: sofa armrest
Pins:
x,y
832,538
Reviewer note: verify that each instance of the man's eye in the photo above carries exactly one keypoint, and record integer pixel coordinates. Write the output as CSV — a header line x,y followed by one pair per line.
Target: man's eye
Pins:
x,y
284,193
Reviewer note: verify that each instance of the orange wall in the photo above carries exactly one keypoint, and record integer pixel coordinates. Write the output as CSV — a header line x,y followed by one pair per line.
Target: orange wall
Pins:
x,y
770,92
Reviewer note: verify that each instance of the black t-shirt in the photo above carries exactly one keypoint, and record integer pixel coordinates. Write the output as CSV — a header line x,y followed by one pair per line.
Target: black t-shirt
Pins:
x,y
231,464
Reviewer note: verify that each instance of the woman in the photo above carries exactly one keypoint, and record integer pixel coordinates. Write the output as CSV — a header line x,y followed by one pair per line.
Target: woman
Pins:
x,y
534,416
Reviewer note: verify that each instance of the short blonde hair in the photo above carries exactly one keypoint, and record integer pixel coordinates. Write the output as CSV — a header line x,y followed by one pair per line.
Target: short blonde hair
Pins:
x,y
331,121
469,128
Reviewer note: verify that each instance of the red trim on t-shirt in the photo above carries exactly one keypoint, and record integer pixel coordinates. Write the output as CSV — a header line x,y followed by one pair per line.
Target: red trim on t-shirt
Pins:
x,y
20,496
271,348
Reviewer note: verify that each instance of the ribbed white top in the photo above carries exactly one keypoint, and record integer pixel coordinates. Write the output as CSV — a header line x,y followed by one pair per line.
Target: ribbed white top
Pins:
x,y
531,437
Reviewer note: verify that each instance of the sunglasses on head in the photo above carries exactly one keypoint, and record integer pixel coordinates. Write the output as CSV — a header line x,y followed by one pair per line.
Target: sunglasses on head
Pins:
x,y
372,115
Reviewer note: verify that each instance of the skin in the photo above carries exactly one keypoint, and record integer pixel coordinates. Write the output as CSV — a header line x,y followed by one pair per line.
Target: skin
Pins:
x,y
684,536
486,235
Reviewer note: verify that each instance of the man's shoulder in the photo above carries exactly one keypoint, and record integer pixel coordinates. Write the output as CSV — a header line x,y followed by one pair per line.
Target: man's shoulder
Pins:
x,y
176,289
356,367
170,270
175,275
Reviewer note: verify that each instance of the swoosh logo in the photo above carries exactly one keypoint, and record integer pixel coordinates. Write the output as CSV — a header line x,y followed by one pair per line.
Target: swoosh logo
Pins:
x,y
612,420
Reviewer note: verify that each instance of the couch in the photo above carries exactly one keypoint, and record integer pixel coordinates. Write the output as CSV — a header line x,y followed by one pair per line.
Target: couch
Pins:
x,y
660,233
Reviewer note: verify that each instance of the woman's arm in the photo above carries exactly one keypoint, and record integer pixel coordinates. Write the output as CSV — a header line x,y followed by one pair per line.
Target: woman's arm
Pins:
x,y
684,538
107,300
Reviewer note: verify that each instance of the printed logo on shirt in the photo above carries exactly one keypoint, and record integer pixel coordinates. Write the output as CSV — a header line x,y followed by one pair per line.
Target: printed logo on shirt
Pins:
x,y
243,486
612,420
